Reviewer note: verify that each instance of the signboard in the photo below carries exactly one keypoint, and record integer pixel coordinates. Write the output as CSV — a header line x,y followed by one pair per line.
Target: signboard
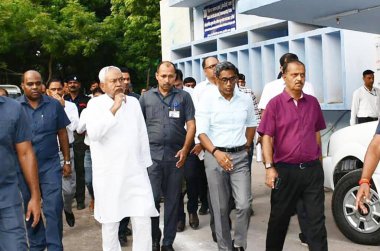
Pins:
x,y
219,18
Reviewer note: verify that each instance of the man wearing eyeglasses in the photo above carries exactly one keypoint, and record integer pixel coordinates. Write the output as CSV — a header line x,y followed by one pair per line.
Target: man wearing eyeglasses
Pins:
x,y
208,65
365,101
226,125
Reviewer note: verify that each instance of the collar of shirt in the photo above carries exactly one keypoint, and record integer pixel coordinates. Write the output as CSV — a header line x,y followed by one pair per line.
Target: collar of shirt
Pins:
x,y
220,96
286,97
2,99
172,91
372,92
44,99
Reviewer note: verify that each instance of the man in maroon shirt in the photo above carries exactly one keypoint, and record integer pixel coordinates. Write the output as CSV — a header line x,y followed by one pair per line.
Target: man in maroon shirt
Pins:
x,y
291,142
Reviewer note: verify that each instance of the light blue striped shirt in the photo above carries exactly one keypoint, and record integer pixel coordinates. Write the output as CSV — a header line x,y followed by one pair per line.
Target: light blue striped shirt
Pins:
x,y
224,121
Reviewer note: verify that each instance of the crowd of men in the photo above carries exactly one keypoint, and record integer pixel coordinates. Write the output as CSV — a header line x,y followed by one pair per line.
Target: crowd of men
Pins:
x,y
132,152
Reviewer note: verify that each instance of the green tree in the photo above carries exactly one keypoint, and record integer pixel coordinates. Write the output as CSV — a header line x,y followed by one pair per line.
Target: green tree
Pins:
x,y
65,36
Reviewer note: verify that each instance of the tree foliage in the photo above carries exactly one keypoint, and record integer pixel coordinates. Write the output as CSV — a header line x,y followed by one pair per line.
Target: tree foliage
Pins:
x,y
60,37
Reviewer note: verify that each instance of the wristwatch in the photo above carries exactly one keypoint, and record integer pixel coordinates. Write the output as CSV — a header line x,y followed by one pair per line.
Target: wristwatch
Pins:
x,y
67,162
268,165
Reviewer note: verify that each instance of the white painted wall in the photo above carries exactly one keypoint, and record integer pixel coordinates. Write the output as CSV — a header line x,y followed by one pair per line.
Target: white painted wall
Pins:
x,y
175,27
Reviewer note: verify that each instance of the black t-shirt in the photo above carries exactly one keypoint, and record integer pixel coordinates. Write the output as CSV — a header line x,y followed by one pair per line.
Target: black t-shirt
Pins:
x,y
80,101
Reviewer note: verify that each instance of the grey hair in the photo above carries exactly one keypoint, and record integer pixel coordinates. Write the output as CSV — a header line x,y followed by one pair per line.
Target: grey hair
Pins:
x,y
103,72
224,66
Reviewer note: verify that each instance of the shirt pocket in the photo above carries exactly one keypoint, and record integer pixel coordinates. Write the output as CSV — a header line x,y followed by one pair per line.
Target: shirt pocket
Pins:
x,y
49,122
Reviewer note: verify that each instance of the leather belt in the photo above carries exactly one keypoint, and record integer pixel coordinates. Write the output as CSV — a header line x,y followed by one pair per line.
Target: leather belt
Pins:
x,y
232,149
299,165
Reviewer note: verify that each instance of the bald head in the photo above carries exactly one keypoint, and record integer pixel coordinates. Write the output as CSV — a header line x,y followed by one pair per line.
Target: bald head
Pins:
x,y
32,85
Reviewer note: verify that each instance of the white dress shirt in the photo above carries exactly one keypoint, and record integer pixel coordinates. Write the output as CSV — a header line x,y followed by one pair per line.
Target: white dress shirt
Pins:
x,y
225,121
72,113
200,90
365,103
276,87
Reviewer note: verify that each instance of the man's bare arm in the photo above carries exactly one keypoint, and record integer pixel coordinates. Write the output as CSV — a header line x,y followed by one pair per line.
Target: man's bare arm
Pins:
x,y
28,164
64,145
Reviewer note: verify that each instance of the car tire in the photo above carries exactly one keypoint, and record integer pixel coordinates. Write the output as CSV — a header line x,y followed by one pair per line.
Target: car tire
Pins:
x,y
362,229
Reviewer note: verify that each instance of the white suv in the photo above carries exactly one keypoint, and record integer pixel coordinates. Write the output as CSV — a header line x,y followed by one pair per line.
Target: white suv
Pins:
x,y
342,168
13,90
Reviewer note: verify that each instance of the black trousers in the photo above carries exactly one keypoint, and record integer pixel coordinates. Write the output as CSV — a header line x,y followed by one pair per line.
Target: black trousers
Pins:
x,y
79,152
298,183
166,179
192,173
123,226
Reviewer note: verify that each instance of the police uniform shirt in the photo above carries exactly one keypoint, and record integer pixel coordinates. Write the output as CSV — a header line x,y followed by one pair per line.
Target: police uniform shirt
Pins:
x,y
15,128
47,119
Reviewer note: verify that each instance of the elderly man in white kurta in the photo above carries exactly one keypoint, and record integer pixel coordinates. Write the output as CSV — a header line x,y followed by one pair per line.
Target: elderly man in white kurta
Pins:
x,y
121,184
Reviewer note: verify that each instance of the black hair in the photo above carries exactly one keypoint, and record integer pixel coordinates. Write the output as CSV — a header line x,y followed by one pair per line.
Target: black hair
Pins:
x,y
54,80
224,66
125,70
285,67
179,75
97,90
367,72
287,57
189,80
241,76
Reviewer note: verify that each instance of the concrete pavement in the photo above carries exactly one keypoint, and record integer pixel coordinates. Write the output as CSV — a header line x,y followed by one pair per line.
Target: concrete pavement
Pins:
x,y
86,234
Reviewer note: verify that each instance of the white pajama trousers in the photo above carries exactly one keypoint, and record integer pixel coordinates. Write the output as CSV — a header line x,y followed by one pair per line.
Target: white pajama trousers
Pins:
x,y
141,230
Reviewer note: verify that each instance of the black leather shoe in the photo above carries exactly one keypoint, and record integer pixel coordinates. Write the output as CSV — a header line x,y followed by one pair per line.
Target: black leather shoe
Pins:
x,y
180,226
194,221
156,245
123,240
80,206
70,218
203,210
167,248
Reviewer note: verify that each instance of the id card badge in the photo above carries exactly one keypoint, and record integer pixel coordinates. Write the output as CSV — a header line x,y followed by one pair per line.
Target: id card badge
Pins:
x,y
174,114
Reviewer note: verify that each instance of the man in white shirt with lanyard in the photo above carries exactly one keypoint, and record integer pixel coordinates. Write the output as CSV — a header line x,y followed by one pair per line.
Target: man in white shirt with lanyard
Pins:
x,y
365,101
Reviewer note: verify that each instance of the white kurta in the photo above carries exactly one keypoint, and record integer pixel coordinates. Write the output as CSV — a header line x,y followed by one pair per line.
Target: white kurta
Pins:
x,y
120,157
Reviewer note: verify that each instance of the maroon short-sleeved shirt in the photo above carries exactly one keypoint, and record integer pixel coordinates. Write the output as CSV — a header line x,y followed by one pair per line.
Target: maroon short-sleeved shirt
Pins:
x,y
293,128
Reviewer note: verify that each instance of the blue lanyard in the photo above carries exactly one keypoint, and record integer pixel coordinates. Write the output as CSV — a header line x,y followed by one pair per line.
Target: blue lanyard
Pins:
x,y
162,100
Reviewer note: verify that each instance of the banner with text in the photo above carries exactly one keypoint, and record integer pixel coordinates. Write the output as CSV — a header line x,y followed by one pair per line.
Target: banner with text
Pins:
x,y
219,18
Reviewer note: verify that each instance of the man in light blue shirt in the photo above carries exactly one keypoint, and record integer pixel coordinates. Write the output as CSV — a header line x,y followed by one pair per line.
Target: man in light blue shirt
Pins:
x,y
226,124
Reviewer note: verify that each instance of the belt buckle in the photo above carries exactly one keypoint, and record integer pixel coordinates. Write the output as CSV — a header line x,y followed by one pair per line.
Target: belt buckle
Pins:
x,y
302,167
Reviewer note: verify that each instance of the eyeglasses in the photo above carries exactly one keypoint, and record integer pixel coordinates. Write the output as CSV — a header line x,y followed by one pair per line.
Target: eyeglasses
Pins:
x,y
113,81
210,66
232,80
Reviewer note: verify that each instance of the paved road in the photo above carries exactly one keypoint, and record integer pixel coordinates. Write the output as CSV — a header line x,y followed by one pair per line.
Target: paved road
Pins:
x,y
86,235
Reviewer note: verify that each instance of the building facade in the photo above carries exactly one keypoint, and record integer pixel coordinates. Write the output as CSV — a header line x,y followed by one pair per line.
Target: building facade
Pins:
x,y
334,58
